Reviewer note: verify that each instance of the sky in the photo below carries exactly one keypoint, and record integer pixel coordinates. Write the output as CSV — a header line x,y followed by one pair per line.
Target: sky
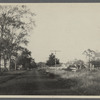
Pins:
x,y
70,28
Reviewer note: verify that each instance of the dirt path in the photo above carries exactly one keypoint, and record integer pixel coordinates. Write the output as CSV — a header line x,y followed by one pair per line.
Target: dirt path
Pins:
x,y
31,83
45,83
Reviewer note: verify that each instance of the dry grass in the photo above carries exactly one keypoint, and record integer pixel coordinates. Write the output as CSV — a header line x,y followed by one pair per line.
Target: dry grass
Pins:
x,y
87,82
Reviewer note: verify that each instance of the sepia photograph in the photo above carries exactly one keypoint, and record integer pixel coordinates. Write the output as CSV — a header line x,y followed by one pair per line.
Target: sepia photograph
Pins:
x,y
50,49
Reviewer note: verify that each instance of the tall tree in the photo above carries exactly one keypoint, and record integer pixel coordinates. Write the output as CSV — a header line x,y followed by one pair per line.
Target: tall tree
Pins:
x,y
15,24
90,54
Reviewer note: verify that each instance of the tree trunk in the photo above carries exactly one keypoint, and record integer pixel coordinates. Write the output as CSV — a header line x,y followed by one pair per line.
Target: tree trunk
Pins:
x,y
9,66
15,64
16,61
5,61
2,31
0,61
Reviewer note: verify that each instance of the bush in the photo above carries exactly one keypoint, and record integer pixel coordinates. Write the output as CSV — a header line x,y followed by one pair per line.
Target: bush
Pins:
x,y
51,75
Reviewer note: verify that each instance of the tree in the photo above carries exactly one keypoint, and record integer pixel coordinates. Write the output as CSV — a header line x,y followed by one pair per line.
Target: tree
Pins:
x,y
26,60
79,64
90,54
95,63
33,64
14,29
41,64
52,60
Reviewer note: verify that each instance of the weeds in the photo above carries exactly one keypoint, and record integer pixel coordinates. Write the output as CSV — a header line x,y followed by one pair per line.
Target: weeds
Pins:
x,y
82,82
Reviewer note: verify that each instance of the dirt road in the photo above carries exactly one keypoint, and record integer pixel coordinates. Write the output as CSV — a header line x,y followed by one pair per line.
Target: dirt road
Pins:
x,y
31,83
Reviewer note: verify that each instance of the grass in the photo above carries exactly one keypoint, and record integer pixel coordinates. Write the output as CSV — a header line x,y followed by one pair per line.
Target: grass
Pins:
x,y
83,82
6,76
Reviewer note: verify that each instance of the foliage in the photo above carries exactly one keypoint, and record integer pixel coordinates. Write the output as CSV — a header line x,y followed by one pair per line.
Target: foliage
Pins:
x,y
89,53
52,60
14,30
96,63
94,57
26,60
79,63
41,64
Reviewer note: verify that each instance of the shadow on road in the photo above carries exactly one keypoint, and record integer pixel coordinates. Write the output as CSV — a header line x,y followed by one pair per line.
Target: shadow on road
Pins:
x,y
34,82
